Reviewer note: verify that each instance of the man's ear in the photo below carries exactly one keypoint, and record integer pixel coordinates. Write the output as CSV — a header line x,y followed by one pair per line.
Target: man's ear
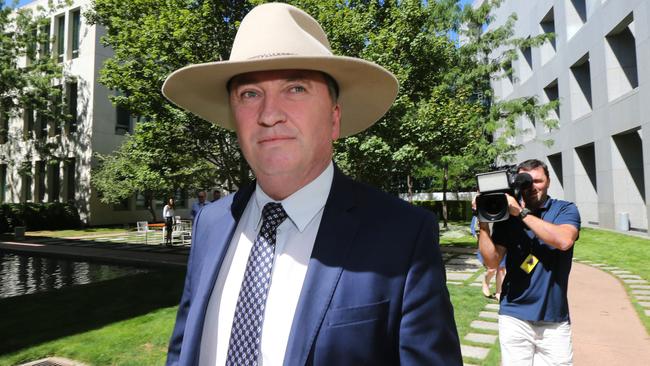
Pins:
x,y
336,122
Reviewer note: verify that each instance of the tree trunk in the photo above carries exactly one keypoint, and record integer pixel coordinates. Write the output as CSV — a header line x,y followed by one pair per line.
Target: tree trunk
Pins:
x,y
149,201
409,185
445,179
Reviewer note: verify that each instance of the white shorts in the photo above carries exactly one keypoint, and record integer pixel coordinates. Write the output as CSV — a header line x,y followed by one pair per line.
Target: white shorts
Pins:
x,y
525,343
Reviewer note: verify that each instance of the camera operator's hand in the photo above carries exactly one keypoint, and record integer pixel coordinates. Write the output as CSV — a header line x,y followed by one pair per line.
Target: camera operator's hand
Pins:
x,y
514,207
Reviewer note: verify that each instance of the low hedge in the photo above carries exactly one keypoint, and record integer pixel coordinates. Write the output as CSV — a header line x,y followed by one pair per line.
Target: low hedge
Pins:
x,y
456,210
38,216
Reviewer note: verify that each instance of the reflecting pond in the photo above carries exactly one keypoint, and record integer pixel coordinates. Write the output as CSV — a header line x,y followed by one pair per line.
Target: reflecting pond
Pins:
x,y
25,274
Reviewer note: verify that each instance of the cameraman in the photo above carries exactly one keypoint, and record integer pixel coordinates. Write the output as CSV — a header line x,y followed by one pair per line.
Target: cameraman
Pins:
x,y
538,237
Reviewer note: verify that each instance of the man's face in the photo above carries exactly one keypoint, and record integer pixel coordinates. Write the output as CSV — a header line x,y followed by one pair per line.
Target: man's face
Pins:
x,y
536,195
286,122
201,197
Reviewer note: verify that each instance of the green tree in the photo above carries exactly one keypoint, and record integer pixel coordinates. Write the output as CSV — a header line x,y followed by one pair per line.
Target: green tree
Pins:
x,y
154,172
30,76
150,39
410,39
442,123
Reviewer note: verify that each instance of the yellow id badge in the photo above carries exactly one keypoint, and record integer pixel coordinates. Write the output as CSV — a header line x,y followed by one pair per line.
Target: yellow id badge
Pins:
x,y
529,263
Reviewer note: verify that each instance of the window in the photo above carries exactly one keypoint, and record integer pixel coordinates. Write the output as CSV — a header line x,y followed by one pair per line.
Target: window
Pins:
x,y
580,87
55,128
123,205
40,127
60,38
76,26
26,176
552,95
547,26
621,59
556,175
44,47
40,181
4,125
71,101
180,198
125,120
123,124
54,182
576,16
584,172
525,64
28,123
32,46
3,182
140,201
70,175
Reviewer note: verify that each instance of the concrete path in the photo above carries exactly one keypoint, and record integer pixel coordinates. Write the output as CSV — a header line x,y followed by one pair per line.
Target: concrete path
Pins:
x,y
105,251
606,327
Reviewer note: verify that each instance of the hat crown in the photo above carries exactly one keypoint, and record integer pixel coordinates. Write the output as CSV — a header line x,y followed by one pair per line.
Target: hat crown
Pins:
x,y
277,29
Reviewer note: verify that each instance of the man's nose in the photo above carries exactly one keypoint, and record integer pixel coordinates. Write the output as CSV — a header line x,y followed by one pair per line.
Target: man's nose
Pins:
x,y
272,112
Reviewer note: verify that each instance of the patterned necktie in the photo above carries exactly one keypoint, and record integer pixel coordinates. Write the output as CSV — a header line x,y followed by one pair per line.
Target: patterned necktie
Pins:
x,y
244,346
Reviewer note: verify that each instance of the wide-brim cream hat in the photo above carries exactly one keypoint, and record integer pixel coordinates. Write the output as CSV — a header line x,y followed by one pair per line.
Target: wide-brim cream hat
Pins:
x,y
278,36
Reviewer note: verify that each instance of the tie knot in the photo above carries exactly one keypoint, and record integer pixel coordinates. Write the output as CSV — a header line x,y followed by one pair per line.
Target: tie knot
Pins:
x,y
273,214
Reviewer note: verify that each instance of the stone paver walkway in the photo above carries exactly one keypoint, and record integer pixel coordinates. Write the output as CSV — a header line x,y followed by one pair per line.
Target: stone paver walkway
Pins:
x,y
606,327
464,269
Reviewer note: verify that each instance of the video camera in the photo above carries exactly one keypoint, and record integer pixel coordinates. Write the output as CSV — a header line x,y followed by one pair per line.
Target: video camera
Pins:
x,y
492,203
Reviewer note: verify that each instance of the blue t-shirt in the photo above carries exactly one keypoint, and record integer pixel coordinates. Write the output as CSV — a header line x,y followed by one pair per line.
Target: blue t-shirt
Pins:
x,y
540,295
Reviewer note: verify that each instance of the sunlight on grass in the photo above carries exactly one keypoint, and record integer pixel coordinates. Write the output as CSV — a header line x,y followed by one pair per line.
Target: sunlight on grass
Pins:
x,y
138,341
76,233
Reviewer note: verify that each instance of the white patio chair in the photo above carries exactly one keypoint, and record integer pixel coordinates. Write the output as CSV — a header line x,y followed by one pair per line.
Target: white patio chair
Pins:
x,y
183,231
143,229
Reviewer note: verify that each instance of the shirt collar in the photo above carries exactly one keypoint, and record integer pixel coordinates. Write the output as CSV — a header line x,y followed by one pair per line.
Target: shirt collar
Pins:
x,y
547,204
303,205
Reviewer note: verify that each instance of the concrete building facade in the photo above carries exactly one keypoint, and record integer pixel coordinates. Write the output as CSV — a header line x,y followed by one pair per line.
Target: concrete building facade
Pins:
x,y
594,67
98,127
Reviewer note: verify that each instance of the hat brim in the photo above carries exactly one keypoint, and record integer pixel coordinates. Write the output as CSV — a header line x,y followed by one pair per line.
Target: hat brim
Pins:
x,y
366,90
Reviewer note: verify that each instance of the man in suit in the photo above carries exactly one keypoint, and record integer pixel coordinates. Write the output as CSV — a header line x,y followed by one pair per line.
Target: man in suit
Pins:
x,y
305,266
199,204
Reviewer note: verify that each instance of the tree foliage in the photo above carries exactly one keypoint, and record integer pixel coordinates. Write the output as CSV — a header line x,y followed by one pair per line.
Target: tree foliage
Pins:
x,y
444,119
170,148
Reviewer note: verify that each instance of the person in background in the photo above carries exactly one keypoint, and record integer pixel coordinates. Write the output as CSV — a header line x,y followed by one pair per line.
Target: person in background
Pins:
x,y
216,195
168,215
538,238
490,273
199,204
304,266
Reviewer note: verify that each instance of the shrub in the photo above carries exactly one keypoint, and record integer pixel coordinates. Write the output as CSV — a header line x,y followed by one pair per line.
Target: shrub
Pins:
x,y
38,216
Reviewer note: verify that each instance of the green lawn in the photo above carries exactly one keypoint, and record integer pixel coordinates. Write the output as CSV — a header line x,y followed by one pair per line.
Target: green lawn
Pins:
x,y
125,321
138,339
76,233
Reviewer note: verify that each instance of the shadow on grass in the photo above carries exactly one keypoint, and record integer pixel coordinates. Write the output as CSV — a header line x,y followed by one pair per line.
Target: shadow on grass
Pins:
x,y
32,319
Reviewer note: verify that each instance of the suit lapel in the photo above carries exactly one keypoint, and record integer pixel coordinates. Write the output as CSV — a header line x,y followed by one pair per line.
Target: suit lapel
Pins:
x,y
337,229
222,235
217,236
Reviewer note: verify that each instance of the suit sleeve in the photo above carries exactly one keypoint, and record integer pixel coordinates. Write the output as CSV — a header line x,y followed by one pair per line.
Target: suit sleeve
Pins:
x,y
428,334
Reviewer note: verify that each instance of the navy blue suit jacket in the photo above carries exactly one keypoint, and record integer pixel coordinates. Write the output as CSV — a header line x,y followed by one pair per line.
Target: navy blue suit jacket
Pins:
x,y
374,293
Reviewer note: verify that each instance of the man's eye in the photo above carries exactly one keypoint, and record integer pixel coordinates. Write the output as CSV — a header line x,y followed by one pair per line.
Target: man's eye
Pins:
x,y
297,89
248,94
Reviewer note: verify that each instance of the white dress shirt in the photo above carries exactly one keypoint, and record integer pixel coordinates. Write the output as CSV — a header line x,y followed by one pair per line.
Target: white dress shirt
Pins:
x,y
294,244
